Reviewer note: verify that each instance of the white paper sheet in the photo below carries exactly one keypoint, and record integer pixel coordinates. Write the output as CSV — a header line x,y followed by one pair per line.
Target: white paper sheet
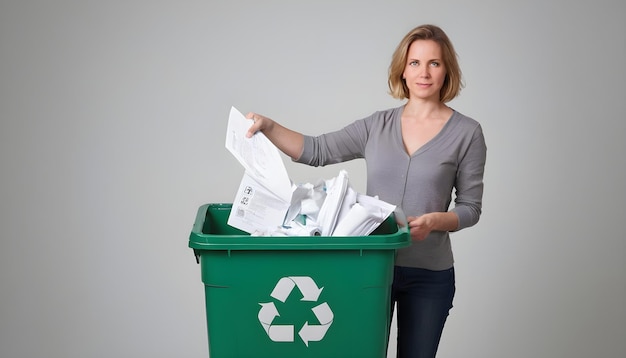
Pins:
x,y
259,157
255,209
363,217
335,193
265,191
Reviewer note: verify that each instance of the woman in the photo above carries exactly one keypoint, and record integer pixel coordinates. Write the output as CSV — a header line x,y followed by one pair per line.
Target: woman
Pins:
x,y
417,155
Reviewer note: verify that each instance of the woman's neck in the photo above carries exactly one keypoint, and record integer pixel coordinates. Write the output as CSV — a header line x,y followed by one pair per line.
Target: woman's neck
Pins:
x,y
426,109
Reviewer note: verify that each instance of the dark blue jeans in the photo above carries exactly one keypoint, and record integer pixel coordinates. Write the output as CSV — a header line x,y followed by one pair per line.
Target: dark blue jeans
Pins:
x,y
423,299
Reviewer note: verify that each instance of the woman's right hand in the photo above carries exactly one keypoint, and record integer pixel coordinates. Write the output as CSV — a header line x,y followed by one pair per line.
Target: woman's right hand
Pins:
x,y
286,140
261,123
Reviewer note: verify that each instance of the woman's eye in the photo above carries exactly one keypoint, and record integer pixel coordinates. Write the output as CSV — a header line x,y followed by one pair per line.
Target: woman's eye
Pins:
x,y
434,64
413,63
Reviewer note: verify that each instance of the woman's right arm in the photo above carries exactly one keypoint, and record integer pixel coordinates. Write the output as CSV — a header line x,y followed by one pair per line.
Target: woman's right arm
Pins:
x,y
287,141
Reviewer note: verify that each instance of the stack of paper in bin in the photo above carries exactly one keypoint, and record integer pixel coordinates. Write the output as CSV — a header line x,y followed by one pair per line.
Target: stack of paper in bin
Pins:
x,y
267,203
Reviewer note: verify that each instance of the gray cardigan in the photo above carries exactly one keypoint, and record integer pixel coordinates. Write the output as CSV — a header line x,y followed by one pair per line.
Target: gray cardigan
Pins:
x,y
419,183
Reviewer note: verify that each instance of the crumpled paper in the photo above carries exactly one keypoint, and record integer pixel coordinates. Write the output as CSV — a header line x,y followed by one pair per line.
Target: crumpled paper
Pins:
x,y
331,208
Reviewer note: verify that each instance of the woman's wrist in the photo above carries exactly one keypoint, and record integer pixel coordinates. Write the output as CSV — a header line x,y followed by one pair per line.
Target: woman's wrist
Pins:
x,y
442,221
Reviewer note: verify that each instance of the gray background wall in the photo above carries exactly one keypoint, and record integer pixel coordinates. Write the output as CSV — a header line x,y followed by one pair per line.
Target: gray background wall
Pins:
x,y
113,118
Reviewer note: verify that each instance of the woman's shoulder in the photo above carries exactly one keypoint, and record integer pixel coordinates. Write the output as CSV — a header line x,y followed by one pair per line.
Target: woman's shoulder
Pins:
x,y
384,114
465,126
381,120
464,120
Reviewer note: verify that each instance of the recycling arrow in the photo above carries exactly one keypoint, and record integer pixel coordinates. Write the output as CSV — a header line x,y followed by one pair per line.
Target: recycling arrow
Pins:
x,y
316,333
277,333
306,285
310,292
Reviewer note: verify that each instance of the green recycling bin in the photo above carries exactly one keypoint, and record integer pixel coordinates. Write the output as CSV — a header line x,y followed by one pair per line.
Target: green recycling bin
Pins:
x,y
295,296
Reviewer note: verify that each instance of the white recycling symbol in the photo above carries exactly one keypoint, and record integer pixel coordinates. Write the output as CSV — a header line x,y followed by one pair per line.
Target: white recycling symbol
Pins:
x,y
310,292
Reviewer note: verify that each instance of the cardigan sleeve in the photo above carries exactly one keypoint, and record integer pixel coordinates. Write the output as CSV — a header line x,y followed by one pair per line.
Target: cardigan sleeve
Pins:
x,y
469,181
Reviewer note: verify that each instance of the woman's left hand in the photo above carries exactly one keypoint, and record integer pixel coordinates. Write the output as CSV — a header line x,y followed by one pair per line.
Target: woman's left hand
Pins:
x,y
419,226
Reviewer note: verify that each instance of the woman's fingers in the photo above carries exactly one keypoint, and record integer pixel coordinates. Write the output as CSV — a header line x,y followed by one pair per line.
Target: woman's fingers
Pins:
x,y
256,125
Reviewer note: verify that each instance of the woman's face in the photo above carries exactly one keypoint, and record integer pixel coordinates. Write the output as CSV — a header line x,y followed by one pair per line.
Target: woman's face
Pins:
x,y
424,72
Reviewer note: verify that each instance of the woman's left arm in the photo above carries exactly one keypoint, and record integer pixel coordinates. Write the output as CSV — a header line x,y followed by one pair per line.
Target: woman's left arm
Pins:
x,y
469,193
469,181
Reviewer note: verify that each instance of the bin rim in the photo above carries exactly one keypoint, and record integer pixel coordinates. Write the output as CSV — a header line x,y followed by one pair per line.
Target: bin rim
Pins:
x,y
200,241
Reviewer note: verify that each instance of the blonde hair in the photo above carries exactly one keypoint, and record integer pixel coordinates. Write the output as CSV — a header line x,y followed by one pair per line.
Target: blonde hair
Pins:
x,y
453,82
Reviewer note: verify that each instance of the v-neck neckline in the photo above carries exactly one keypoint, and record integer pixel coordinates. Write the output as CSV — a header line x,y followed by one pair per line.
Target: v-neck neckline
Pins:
x,y
429,143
